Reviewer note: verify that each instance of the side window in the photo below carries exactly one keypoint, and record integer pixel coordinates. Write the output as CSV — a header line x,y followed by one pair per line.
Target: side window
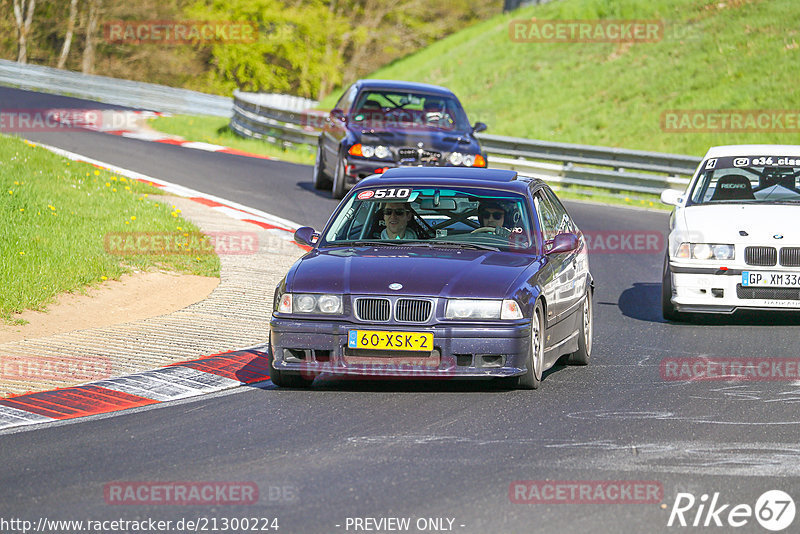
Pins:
x,y
565,222
547,216
347,98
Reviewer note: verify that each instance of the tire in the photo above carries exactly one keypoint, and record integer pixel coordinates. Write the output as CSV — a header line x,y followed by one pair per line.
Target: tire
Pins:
x,y
284,380
535,361
321,180
338,180
584,352
668,310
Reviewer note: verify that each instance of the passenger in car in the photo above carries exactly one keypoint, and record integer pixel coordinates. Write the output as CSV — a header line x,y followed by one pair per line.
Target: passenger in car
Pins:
x,y
397,215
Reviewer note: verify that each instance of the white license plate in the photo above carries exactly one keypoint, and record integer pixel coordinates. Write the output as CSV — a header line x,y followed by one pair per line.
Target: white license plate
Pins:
x,y
770,279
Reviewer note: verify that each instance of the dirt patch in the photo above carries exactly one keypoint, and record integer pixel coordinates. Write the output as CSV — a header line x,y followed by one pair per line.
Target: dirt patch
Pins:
x,y
135,296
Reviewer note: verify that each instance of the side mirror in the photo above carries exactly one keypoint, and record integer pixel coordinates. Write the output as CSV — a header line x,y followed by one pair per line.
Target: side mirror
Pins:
x,y
671,197
479,127
337,114
305,235
565,242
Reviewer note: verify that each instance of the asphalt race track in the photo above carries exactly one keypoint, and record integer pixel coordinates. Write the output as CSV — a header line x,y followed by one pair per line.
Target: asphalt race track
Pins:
x,y
422,449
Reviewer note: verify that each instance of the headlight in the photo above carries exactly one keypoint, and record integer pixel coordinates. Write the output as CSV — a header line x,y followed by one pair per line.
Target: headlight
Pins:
x,y
382,152
705,251
467,160
482,309
310,303
367,151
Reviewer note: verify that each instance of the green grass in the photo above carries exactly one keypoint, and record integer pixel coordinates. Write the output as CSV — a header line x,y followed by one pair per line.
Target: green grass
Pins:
x,y
716,54
54,216
215,130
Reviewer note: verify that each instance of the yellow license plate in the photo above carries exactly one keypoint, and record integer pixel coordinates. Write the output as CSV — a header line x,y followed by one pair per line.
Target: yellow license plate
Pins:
x,y
383,340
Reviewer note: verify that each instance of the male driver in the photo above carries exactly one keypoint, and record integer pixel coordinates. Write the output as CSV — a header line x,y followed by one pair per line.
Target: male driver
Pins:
x,y
492,217
397,215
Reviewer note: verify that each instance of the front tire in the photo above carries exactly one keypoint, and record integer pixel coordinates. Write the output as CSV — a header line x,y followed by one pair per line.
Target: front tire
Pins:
x,y
339,179
668,310
535,361
282,379
321,180
584,352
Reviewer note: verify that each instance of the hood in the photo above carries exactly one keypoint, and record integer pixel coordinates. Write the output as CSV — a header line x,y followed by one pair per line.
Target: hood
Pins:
x,y
422,272
723,224
431,138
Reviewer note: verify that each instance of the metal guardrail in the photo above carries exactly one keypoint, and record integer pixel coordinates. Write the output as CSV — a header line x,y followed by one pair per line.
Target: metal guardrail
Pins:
x,y
290,120
615,169
138,95
260,116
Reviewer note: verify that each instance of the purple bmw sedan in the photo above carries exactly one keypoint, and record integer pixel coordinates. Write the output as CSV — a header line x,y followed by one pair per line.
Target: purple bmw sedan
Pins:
x,y
436,272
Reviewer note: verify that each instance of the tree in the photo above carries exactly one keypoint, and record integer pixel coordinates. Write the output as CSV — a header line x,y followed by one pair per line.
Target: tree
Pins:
x,y
23,18
87,66
296,48
73,14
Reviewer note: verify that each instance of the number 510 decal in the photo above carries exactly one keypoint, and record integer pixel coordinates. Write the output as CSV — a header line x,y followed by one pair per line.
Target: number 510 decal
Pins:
x,y
394,193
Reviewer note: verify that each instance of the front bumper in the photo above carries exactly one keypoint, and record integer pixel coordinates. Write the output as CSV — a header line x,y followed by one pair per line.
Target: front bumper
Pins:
x,y
714,290
313,347
357,168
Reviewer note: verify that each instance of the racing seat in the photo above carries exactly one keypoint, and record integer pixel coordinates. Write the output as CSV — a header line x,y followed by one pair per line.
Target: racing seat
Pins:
x,y
733,187
371,105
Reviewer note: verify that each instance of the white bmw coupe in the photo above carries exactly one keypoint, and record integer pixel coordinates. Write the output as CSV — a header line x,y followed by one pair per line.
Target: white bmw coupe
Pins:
x,y
734,239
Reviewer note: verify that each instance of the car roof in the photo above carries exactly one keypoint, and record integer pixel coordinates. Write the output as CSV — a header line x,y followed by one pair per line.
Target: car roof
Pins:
x,y
752,150
450,176
403,86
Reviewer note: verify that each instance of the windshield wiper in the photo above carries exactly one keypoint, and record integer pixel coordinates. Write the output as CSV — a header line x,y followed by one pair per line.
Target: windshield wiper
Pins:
x,y
425,244
461,244
369,242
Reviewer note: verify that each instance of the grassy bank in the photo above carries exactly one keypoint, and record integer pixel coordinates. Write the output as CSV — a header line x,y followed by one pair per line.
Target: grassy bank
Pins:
x,y
714,55
215,130
55,216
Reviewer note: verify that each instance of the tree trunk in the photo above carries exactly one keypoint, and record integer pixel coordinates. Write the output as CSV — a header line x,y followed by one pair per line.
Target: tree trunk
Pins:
x,y
23,17
73,14
91,28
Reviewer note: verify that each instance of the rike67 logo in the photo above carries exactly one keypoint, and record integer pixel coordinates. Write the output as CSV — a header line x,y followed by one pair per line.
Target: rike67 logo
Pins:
x,y
774,510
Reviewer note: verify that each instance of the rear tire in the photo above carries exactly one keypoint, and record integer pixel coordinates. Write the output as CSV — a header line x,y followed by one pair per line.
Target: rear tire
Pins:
x,y
535,361
339,179
668,310
584,352
284,380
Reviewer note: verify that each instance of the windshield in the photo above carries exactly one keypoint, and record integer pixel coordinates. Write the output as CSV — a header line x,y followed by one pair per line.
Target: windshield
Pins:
x,y
750,179
446,217
382,109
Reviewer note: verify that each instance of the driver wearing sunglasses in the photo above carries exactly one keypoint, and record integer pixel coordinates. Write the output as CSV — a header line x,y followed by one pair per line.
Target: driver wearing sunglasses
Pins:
x,y
396,216
492,216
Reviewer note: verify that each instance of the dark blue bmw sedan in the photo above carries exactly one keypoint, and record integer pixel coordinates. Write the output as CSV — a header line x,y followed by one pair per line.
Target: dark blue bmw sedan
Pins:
x,y
381,124
436,272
